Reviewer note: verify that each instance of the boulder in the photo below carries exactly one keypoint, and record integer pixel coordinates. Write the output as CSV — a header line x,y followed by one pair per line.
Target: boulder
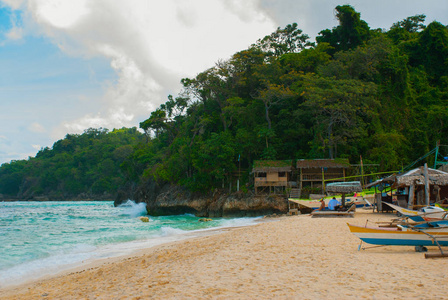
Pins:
x,y
144,219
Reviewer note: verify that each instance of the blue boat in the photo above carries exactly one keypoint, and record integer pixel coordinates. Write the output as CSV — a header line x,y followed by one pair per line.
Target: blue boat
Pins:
x,y
424,234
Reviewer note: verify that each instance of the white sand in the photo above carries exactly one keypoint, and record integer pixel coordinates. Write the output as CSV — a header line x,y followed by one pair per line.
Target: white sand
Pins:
x,y
298,257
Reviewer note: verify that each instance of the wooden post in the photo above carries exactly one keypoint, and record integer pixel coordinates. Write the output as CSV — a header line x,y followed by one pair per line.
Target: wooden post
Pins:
x,y
343,200
426,185
323,182
362,173
379,204
420,197
374,201
300,183
411,196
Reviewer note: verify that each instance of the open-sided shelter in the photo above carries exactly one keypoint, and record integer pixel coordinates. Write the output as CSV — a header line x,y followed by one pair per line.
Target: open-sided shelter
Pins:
x,y
417,187
344,188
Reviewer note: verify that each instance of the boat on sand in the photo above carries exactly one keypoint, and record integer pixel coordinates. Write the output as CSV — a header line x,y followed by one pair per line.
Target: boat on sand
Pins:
x,y
428,213
423,234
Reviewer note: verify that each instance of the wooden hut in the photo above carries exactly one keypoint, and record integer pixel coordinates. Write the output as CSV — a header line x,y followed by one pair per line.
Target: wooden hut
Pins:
x,y
272,176
315,172
418,187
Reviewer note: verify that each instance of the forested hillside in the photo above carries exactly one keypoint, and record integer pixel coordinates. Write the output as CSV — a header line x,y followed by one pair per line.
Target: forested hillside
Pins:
x,y
356,91
86,164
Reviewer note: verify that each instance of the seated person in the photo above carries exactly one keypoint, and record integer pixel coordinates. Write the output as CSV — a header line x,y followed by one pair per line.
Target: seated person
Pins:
x,y
333,204
322,205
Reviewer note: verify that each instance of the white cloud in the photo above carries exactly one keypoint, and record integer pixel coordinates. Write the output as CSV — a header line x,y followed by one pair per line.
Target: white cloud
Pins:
x,y
36,147
151,45
15,33
59,13
14,4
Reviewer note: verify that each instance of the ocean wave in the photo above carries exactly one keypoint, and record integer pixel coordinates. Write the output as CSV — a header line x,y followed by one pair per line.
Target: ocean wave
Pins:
x,y
132,209
46,266
239,222
168,231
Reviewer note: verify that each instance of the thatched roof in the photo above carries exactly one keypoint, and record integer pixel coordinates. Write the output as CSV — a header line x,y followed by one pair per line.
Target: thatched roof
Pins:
x,y
322,163
344,187
435,177
272,166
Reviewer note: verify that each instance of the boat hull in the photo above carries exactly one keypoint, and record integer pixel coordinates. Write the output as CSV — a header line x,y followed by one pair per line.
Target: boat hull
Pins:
x,y
397,237
436,213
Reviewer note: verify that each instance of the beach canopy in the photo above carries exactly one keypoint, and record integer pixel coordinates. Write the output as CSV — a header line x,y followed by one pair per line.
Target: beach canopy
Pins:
x,y
344,187
416,176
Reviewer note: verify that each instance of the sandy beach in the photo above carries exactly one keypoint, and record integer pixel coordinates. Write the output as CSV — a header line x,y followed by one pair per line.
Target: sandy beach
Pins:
x,y
296,257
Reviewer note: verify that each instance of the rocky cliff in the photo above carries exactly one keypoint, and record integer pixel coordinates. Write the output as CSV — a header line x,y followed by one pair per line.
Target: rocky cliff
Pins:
x,y
169,199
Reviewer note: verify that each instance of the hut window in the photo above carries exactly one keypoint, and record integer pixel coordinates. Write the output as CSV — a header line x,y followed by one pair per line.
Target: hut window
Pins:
x,y
281,174
262,174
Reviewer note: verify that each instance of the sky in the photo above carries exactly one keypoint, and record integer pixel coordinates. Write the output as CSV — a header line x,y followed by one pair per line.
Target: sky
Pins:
x,y
67,65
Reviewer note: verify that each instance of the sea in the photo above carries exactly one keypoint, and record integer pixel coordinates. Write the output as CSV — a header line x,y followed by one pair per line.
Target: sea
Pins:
x,y
38,239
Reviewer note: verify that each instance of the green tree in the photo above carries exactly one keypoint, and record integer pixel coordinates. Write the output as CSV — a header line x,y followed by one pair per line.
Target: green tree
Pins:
x,y
287,40
351,32
338,107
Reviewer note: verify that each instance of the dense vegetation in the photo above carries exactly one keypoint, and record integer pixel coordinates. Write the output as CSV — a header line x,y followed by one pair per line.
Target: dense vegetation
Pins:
x,y
87,163
357,91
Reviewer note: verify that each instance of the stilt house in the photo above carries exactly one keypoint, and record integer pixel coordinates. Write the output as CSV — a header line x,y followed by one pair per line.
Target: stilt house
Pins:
x,y
315,172
272,176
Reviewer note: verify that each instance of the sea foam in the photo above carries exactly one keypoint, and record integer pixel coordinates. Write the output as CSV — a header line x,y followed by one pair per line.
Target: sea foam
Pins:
x,y
132,209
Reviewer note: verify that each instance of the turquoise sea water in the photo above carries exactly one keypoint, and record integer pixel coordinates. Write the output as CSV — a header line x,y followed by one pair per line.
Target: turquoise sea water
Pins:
x,y
42,238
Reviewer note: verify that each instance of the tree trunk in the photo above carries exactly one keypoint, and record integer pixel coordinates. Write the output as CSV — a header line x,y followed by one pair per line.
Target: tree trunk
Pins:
x,y
266,107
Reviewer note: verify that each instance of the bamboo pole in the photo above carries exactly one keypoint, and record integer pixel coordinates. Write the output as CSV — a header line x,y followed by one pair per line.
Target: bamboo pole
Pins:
x,y
411,196
357,176
426,184
437,153
435,255
362,173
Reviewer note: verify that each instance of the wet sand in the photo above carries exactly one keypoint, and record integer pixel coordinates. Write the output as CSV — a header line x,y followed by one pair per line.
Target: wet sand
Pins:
x,y
296,257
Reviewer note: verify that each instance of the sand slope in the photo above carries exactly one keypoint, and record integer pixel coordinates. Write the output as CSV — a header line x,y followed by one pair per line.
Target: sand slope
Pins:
x,y
297,257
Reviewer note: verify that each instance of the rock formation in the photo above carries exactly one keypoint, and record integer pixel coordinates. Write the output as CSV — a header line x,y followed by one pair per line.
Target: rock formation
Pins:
x,y
168,199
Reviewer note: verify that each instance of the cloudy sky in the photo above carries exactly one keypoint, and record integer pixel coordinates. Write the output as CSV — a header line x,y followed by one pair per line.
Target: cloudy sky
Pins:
x,y
67,65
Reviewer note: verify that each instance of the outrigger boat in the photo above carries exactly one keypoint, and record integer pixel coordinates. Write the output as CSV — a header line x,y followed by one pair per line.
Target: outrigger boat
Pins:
x,y
419,235
439,206
428,213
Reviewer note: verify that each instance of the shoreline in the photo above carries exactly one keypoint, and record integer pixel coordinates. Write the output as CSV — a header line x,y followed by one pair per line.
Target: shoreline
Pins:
x,y
113,252
289,257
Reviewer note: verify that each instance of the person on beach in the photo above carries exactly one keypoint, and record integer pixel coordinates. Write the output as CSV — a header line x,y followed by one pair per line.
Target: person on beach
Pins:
x,y
333,204
322,204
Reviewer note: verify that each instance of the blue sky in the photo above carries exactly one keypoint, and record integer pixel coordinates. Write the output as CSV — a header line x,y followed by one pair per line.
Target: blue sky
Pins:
x,y
40,87
69,65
